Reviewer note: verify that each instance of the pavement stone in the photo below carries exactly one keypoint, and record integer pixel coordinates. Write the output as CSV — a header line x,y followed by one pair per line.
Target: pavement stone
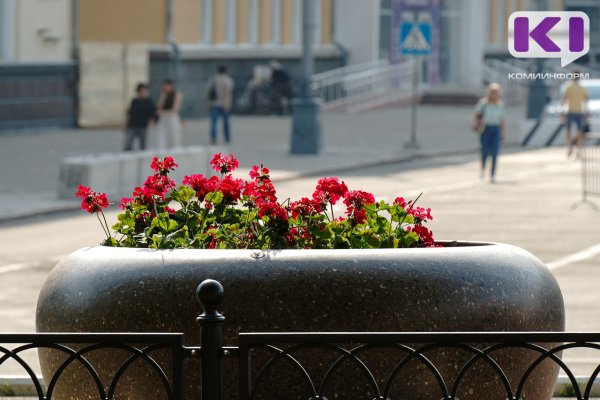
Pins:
x,y
349,141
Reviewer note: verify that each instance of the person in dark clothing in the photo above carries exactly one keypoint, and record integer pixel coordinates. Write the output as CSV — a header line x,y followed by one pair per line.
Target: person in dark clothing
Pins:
x,y
281,84
141,111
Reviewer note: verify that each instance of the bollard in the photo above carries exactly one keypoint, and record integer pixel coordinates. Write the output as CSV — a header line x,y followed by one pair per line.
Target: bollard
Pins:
x,y
210,294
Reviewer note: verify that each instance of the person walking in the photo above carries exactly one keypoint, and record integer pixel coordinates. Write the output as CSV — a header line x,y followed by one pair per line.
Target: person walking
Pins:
x,y
489,122
139,114
576,97
219,93
169,122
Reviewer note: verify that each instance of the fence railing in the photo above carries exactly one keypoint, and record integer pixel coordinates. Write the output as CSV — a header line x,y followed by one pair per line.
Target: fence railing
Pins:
x,y
364,86
79,349
286,351
590,170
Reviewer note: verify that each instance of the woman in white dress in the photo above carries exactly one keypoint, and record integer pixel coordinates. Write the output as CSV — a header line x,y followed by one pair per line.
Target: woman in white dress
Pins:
x,y
169,123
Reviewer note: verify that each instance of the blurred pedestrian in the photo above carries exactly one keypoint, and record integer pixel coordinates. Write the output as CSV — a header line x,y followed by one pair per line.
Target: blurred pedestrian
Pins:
x,y
139,114
219,93
489,122
169,122
576,97
281,84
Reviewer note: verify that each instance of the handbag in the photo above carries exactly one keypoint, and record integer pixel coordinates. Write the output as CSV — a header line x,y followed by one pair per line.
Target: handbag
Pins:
x,y
586,127
478,121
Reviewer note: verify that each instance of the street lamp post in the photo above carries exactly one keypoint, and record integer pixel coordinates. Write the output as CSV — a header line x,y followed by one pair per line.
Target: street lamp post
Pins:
x,y
306,124
537,90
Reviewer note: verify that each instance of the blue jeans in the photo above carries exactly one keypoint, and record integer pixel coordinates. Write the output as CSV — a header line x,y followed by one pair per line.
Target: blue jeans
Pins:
x,y
215,113
490,145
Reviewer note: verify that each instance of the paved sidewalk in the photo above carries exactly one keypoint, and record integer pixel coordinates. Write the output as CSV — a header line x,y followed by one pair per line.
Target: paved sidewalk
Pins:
x,y
30,160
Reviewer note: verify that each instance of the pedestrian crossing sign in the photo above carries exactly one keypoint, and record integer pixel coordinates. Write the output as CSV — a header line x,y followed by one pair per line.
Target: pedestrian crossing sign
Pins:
x,y
415,38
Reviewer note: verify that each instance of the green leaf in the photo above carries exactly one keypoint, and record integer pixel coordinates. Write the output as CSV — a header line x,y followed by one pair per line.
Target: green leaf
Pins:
x,y
214,197
183,194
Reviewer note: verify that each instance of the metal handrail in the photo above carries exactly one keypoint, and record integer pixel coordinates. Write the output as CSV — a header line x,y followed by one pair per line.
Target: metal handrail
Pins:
x,y
365,86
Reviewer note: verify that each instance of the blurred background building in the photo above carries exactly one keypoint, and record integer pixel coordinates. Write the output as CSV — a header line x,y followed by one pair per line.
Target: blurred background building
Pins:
x,y
70,62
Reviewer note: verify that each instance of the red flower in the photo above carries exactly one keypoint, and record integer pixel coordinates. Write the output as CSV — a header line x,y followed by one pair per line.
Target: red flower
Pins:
x,y
147,195
401,202
355,201
91,201
329,190
159,183
273,210
259,173
201,185
163,167
224,164
305,207
125,202
421,214
231,189
260,192
424,234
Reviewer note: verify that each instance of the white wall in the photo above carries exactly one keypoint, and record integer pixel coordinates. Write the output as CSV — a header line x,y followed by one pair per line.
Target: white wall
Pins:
x,y
43,31
356,27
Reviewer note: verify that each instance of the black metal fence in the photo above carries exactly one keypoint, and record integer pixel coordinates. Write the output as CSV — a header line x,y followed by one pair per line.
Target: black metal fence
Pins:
x,y
590,169
287,349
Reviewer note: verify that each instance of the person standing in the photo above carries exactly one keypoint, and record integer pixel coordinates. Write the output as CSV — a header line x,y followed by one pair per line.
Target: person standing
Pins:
x,y
281,86
169,123
576,97
139,114
219,93
489,121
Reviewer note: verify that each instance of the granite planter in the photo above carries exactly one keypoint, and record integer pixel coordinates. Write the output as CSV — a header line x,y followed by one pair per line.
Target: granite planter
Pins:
x,y
468,287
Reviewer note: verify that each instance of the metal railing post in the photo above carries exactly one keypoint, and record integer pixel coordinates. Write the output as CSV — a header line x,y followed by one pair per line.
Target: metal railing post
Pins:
x,y
210,294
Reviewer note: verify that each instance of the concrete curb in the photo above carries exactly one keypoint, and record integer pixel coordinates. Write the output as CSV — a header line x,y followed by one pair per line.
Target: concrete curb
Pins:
x,y
21,386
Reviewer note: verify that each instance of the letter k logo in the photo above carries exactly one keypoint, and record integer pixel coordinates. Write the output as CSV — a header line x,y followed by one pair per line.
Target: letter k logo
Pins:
x,y
539,34
545,34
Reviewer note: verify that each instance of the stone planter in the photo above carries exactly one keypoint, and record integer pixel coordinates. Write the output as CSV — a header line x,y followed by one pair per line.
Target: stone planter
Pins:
x,y
468,287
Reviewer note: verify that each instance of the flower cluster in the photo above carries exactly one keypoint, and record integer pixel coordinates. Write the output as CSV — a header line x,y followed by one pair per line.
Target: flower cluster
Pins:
x,y
223,212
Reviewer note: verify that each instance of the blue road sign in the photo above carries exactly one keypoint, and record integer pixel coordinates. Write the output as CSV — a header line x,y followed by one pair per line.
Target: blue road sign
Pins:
x,y
415,38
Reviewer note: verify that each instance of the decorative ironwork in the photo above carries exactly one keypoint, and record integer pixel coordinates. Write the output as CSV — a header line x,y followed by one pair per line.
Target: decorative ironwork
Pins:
x,y
260,354
78,347
482,347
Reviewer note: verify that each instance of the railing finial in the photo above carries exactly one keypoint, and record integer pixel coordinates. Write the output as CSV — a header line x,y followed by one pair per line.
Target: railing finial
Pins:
x,y
210,294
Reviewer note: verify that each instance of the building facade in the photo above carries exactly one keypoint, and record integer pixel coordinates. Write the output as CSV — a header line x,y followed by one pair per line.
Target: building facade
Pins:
x,y
188,39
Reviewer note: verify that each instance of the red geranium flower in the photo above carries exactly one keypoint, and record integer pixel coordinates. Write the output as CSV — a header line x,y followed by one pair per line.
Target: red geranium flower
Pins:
x,y
329,190
231,189
91,201
163,167
125,202
259,173
159,183
273,210
305,207
424,234
224,164
201,185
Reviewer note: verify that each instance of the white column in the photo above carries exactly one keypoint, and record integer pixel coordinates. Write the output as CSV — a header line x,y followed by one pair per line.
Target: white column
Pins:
x,y
253,22
318,11
231,21
276,22
207,21
471,43
297,28
7,30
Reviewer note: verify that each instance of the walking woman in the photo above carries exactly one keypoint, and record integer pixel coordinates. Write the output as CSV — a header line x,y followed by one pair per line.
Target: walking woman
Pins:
x,y
489,121
169,123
